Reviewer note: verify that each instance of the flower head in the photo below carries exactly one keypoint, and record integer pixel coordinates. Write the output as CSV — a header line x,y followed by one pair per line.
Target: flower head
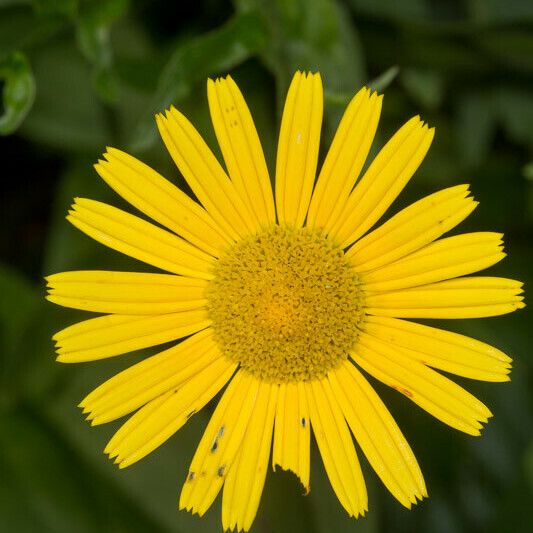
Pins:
x,y
287,299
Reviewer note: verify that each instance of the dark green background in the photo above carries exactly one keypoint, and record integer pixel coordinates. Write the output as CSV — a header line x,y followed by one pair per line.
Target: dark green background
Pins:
x,y
80,75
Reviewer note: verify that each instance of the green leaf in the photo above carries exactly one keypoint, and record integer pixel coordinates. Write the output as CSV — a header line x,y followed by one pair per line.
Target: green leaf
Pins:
x,y
528,171
18,308
67,248
22,29
66,8
409,10
425,86
528,465
19,91
27,322
19,299
312,35
195,59
476,123
501,11
481,111
380,83
93,34
515,110
66,114
315,35
513,48
47,488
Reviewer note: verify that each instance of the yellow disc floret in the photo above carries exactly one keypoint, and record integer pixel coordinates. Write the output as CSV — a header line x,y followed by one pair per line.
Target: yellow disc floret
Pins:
x,y
285,304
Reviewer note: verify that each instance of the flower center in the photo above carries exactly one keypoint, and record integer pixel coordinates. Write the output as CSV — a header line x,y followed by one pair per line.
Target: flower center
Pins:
x,y
285,304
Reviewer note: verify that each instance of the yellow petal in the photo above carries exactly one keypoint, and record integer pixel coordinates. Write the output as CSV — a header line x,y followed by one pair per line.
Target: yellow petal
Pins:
x,y
292,432
444,259
142,434
299,140
441,349
386,177
345,159
146,365
336,447
204,175
468,297
130,426
109,335
139,239
219,445
246,477
413,227
155,196
378,435
241,148
126,293
153,376
439,396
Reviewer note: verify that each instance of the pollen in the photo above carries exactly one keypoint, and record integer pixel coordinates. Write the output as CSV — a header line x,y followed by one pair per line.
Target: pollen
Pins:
x,y
285,304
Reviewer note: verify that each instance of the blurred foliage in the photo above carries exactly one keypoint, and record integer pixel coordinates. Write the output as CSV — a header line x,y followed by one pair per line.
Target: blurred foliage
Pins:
x,y
78,75
19,91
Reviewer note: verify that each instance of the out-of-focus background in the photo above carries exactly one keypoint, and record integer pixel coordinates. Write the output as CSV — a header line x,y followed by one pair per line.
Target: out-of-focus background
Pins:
x,y
80,75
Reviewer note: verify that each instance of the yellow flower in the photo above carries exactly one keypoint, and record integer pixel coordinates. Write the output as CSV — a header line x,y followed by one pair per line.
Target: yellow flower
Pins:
x,y
283,297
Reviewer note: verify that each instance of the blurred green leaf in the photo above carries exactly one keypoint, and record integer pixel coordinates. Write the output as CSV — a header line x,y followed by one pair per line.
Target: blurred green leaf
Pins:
x,y
512,47
476,123
424,86
501,11
18,306
380,83
480,112
410,10
93,34
66,114
19,91
19,299
448,54
67,248
22,29
26,324
315,35
55,491
219,51
56,7
528,170
515,110
528,465
103,12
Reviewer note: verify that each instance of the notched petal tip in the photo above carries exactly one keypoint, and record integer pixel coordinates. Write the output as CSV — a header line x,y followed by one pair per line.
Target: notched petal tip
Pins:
x,y
83,405
307,488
